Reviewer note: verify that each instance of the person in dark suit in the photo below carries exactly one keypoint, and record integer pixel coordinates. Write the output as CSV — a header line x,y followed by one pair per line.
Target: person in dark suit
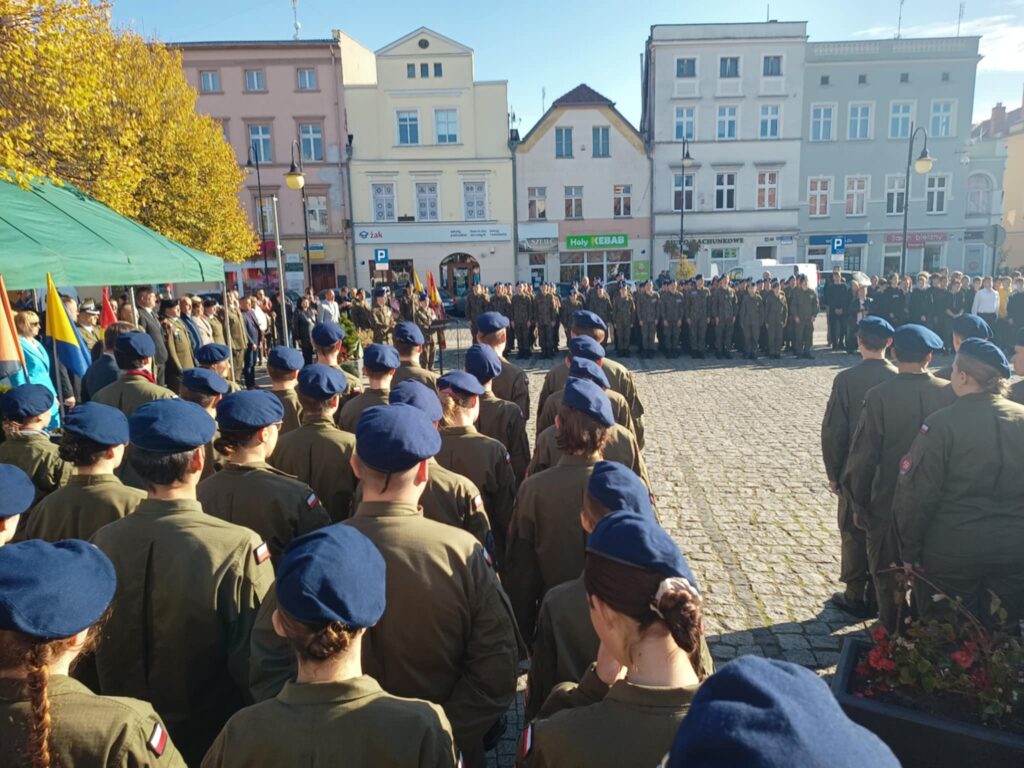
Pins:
x,y
252,332
104,368
146,300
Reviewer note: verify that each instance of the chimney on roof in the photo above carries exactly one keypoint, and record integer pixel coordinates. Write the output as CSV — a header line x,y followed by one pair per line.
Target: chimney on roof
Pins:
x,y
997,124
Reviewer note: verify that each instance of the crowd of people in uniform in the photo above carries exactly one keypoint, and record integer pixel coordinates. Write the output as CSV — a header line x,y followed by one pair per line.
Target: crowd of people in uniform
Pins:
x,y
332,566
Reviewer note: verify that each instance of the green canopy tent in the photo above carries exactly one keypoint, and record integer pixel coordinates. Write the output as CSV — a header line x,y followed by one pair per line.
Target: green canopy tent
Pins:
x,y
80,241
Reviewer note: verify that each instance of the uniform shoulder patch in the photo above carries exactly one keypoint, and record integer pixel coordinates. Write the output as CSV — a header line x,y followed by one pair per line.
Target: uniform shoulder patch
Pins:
x,y
905,464
261,553
478,503
924,429
157,741
508,458
312,500
526,742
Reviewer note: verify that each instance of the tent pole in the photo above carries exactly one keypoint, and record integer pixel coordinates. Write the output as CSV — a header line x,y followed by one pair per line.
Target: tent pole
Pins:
x,y
227,326
281,298
56,379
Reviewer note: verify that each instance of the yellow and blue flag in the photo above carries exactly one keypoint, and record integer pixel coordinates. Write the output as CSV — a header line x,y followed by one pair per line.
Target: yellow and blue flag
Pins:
x,y
69,347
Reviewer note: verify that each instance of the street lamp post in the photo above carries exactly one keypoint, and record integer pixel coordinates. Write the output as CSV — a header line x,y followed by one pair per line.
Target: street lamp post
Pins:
x,y
923,164
296,179
254,162
687,163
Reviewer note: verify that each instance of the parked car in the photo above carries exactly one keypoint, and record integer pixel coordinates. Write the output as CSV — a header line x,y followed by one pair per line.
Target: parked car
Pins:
x,y
448,304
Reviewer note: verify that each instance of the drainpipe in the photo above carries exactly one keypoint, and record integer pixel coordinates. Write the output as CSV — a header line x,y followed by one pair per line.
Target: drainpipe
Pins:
x,y
513,142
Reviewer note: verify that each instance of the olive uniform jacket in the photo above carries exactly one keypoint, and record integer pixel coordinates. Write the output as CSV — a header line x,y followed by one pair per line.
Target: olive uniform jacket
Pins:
x,y
130,391
620,410
503,421
32,452
621,447
274,504
292,409
1017,392
82,507
448,635
348,416
512,385
416,372
86,730
179,348
350,722
598,726
319,454
186,648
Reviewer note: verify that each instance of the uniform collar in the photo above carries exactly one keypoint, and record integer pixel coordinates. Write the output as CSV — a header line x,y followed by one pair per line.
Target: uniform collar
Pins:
x,y
13,688
318,421
377,391
387,509
250,467
85,480
649,696
489,396
31,434
408,364
327,693
165,507
470,430
577,461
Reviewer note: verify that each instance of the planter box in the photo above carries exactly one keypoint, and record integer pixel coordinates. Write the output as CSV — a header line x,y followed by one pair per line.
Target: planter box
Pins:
x,y
918,739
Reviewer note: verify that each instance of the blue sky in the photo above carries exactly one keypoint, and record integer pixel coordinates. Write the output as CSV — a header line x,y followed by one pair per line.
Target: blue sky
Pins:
x,y
540,44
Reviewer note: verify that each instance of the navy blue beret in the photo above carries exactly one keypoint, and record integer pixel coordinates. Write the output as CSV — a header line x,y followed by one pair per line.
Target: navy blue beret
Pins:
x,y
52,591
586,397
586,347
332,574
381,357
873,325
170,426
26,401
249,409
618,488
491,322
327,334
394,438
583,318
321,382
97,422
462,382
971,327
378,292
408,333
986,352
19,491
288,358
135,343
581,368
763,713
208,354
204,381
419,396
915,340
698,277
483,362
637,540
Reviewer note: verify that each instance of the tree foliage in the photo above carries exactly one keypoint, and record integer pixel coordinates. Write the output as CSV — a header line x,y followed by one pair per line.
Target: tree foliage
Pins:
x,y
114,115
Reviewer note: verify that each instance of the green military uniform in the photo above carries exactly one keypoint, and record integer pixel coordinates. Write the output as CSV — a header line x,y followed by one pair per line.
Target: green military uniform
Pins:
x,y
213,462
355,385
547,306
601,306
360,725
776,312
698,301
318,454
292,409
415,372
595,725
959,504
80,508
32,452
424,317
406,306
512,385
86,730
382,322
216,329
179,352
188,588
891,417
522,315
239,340
670,317
803,308
570,305
842,415
91,335
348,417
623,317
502,304
723,315
448,635
130,391
476,304
620,410
751,320
647,315
621,447
503,421
274,504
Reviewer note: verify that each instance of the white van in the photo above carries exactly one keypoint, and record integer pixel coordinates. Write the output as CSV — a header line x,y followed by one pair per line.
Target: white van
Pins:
x,y
783,272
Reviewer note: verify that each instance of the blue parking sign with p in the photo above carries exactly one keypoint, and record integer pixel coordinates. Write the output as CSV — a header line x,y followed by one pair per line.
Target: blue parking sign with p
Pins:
x,y
380,256
838,246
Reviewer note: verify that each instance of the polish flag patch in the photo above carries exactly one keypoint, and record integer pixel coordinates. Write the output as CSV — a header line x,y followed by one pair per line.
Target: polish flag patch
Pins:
x,y
261,553
157,741
508,458
924,429
312,500
527,741
905,464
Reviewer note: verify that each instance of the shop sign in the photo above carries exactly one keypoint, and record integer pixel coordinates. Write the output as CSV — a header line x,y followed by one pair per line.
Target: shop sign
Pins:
x,y
588,242
720,240
918,239
640,271
425,233
538,244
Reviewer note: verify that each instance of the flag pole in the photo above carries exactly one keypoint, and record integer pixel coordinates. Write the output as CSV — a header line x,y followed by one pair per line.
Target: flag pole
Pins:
x,y
56,379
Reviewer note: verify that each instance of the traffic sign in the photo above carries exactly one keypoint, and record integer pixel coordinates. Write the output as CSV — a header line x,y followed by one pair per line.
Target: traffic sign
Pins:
x,y
838,246
380,257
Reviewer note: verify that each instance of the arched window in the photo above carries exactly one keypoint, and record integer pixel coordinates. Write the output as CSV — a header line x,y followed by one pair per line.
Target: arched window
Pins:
x,y
979,195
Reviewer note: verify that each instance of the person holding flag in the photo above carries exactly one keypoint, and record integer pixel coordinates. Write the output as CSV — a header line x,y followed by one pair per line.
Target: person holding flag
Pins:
x,y
66,343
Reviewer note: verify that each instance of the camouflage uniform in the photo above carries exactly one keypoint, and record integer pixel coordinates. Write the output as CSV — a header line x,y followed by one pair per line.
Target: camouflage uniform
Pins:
x,y
723,315
697,302
623,317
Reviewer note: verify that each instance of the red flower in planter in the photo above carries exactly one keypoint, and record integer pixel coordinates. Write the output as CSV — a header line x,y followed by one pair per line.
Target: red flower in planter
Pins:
x,y
967,655
879,659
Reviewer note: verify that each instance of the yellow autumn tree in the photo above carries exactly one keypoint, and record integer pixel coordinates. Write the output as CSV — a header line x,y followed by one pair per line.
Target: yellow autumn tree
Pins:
x,y
114,115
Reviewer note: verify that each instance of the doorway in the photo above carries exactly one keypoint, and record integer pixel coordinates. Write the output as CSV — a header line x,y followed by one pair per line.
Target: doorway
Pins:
x,y
323,276
459,273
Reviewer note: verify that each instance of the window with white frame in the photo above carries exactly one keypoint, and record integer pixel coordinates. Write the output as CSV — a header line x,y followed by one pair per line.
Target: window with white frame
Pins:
x,y
438,69
264,212
446,126
307,79
942,119
725,191
769,128
474,197
408,127
209,81
856,195
537,202
860,122
259,140
767,190
317,215
563,142
383,200
726,124
979,195
935,194
678,197
895,194
410,71
821,122
686,120
772,66
574,202
900,116
622,201
729,66
424,70
601,148
311,142
255,80
426,201
686,67
724,253
818,189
